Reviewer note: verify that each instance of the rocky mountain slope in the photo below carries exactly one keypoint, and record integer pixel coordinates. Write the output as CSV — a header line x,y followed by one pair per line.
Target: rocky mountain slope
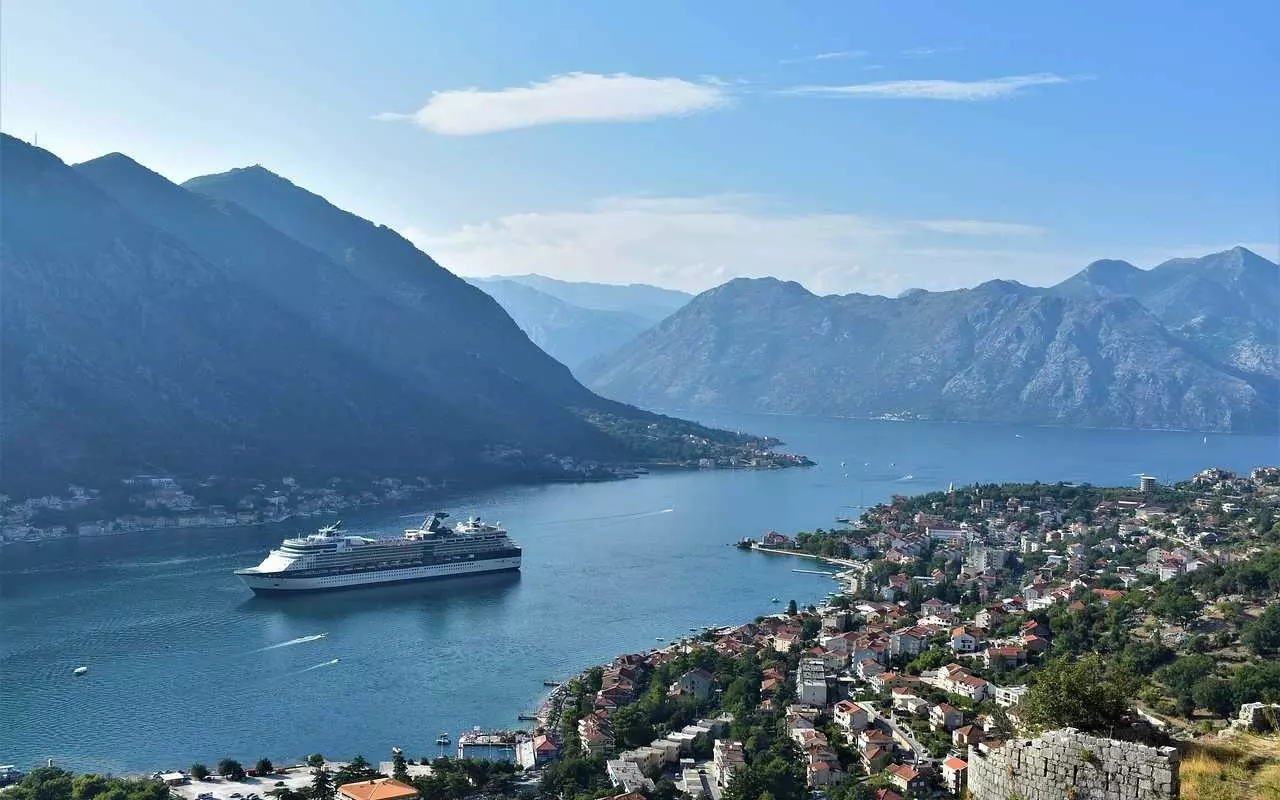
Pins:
x,y
1000,352
148,328
1227,304
570,334
651,303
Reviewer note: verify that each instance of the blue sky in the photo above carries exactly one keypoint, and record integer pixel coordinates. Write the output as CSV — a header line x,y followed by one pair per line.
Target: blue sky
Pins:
x,y
851,146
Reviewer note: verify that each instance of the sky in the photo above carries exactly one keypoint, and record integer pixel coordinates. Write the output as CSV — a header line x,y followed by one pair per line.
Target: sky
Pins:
x,y
852,146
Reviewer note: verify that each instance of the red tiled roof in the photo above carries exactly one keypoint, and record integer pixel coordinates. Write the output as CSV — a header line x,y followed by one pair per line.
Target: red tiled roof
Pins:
x,y
954,763
379,789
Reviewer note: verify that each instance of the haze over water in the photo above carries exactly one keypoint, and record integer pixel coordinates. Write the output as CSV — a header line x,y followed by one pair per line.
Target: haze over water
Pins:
x,y
185,664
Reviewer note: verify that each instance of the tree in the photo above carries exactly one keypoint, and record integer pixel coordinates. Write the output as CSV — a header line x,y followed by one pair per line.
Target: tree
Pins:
x,y
399,767
1182,674
315,760
87,787
792,608
1216,695
1180,607
199,771
231,769
631,727
264,766
321,784
1083,694
358,769
1185,705
1262,636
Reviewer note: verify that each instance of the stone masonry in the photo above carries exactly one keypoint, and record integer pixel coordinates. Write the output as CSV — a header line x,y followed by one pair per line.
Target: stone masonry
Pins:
x,y
1070,765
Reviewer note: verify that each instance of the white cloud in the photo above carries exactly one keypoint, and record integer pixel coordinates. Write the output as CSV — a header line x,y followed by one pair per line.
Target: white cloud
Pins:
x,y
970,227
925,52
989,89
841,54
695,243
573,97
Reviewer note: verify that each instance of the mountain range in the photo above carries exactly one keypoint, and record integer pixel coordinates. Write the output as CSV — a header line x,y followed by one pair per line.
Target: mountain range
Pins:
x,y
240,325
1190,344
574,322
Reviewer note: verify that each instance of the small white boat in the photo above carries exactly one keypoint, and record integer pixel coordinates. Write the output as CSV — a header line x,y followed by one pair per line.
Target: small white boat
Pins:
x,y
774,600
79,670
658,639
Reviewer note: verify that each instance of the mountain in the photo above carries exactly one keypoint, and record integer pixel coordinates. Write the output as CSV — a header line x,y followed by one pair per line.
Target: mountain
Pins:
x,y
338,306
651,303
145,327
1225,303
570,334
1000,352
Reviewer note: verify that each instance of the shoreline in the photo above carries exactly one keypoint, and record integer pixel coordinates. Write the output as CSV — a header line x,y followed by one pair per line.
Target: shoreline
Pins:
x,y
621,474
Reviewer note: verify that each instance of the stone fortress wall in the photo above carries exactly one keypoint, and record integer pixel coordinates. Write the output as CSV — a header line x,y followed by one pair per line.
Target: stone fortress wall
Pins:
x,y
1070,765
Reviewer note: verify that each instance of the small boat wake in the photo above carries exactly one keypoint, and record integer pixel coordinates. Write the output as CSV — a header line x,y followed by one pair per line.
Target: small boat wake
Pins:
x,y
331,662
300,640
907,477
608,517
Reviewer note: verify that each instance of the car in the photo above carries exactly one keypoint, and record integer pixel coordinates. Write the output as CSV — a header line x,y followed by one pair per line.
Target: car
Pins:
x,y
236,795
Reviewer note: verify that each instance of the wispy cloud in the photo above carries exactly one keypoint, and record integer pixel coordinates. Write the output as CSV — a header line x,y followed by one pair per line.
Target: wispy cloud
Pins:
x,y
834,55
925,52
972,227
698,242
573,97
989,89
841,54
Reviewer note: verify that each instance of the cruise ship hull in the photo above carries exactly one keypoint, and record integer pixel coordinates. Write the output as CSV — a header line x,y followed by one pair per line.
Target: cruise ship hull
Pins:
x,y
281,583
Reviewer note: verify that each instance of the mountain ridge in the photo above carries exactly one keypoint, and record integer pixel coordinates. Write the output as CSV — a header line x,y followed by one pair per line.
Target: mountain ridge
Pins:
x,y
150,328
1000,351
571,334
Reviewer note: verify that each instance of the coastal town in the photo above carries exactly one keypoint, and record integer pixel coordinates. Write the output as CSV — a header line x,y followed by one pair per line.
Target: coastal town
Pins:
x,y
160,502
1113,637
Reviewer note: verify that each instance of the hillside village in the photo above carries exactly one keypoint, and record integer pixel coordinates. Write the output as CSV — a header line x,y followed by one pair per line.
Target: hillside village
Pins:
x,y
962,608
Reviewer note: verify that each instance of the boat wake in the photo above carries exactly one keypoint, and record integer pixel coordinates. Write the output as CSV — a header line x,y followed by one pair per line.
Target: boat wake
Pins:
x,y
609,517
328,663
300,640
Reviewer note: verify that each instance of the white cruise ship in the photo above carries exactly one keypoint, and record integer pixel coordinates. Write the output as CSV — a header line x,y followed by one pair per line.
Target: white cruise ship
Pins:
x,y
331,559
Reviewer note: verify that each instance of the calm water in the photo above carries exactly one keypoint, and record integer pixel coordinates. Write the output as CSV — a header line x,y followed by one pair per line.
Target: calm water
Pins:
x,y
186,664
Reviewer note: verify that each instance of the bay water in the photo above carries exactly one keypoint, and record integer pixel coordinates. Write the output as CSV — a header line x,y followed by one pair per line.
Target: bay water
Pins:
x,y
186,664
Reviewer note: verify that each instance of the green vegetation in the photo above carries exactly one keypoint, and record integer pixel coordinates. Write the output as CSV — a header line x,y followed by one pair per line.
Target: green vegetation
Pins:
x,y
1262,636
51,783
231,769
776,772
1084,694
454,779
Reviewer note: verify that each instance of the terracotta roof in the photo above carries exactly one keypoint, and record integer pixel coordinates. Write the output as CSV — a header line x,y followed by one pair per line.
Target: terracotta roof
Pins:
x,y
954,763
378,789
903,771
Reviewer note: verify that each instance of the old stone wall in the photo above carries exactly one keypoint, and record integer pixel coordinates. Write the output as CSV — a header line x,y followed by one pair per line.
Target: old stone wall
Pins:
x,y
1070,765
